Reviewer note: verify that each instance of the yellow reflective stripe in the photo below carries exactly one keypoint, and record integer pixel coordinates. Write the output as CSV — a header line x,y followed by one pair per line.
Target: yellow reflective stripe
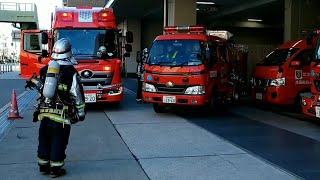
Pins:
x,y
174,55
56,163
43,162
65,87
62,87
54,118
81,106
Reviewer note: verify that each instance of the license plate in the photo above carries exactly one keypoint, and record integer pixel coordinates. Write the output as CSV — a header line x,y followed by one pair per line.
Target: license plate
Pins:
x,y
169,99
90,98
318,111
259,96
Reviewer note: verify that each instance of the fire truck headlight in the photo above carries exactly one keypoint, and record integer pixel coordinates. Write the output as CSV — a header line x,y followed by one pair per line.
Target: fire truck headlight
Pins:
x,y
195,90
148,87
278,82
303,102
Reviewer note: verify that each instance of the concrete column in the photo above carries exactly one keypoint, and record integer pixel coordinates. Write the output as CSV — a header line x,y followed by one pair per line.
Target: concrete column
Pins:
x,y
300,15
180,12
133,25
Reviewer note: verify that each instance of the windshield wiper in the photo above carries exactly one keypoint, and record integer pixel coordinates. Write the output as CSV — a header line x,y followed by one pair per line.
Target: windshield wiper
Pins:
x,y
181,64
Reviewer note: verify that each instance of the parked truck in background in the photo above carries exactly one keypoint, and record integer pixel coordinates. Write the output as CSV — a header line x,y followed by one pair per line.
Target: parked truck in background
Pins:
x,y
310,101
283,74
189,66
87,29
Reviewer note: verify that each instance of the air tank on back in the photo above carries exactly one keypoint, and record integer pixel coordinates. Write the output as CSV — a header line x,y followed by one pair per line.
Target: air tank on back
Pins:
x,y
51,80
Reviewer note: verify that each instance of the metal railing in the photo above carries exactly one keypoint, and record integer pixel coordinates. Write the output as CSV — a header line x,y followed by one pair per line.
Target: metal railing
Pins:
x,y
9,67
11,6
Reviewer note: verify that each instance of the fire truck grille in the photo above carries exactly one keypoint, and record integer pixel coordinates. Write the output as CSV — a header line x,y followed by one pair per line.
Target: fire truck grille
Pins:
x,y
317,85
102,83
176,89
96,78
261,82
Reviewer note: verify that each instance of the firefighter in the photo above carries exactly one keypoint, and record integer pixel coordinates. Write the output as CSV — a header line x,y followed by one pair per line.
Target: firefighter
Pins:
x,y
171,54
140,71
61,104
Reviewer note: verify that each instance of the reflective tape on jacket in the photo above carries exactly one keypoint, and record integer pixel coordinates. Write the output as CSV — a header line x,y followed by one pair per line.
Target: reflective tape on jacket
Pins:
x,y
62,87
54,118
173,56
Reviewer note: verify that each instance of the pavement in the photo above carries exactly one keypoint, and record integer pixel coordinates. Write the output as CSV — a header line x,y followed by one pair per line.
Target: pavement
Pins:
x,y
8,82
134,142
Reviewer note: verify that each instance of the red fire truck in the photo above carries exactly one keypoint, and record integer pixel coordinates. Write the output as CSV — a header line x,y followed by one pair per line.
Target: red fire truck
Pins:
x,y
87,29
283,74
310,101
188,66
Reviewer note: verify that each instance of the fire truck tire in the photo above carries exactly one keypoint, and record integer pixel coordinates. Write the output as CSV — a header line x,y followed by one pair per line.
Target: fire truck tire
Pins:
x,y
297,103
158,108
216,104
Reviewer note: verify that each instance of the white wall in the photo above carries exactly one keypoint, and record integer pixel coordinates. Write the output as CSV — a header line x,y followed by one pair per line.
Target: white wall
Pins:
x,y
134,26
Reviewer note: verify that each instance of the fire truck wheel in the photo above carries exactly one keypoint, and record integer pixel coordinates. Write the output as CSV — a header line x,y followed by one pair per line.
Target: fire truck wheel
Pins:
x,y
158,108
297,104
216,104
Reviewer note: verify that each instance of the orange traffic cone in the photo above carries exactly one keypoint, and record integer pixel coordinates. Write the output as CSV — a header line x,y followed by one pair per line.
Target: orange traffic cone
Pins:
x,y
14,111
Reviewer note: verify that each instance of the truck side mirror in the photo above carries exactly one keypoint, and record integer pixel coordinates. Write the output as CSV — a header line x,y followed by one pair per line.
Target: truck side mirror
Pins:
x,y
44,38
129,37
295,63
128,48
139,56
39,59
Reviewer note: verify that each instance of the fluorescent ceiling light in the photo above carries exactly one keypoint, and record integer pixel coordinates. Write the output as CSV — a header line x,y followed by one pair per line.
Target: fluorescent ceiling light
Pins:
x,y
255,20
205,3
110,2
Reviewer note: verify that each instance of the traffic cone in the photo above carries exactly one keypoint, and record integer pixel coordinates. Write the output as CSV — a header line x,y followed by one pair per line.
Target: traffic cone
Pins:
x,y
14,111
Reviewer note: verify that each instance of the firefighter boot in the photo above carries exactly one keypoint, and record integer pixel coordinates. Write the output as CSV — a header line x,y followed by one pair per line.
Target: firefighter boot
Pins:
x,y
57,172
44,169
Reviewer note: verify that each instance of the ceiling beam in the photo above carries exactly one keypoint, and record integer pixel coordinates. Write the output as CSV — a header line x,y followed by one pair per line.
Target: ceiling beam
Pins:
x,y
242,8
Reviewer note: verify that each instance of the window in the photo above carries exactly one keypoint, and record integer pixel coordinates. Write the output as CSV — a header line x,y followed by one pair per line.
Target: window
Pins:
x,y
305,57
32,43
86,42
278,57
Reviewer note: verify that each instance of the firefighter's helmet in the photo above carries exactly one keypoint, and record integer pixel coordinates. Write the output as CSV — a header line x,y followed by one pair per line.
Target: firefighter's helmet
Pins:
x,y
62,50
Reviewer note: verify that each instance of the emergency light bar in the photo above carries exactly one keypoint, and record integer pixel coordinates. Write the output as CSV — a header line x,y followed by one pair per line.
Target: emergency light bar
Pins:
x,y
184,29
221,34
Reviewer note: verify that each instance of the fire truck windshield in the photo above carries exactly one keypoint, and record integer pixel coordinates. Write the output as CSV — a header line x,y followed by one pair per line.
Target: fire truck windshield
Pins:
x,y
86,42
278,57
176,53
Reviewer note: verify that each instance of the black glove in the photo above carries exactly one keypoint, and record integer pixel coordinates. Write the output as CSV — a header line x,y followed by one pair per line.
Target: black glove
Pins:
x,y
35,116
74,121
81,118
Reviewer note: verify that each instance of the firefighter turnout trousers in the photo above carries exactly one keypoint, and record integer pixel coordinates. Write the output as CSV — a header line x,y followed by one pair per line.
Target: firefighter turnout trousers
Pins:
x,y
53,141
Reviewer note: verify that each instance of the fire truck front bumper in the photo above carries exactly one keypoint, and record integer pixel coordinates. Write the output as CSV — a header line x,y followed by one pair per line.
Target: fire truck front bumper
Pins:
x,y
310,104
114,93
170,99
272,95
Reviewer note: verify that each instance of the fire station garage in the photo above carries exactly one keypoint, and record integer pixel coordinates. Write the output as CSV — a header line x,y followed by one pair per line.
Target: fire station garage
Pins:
x,y
273,116
274,133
